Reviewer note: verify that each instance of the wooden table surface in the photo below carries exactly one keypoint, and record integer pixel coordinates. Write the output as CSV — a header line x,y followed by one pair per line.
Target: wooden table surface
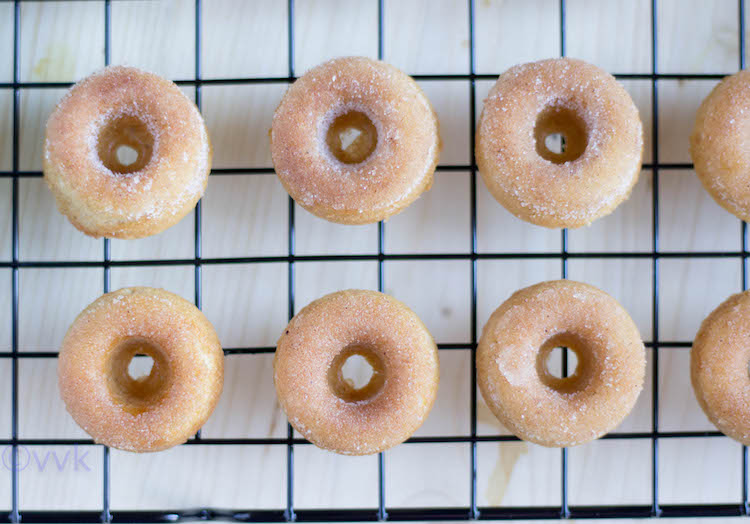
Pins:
x,y
246,215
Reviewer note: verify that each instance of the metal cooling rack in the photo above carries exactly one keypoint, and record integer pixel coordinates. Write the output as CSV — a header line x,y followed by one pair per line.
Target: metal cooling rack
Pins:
x,y
382,512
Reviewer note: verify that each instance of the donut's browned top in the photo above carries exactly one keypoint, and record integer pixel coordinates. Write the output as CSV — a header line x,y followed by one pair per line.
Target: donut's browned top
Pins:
x,y
720,144
320,332
611,357
719,367
102,203
186,339
573,193
394,175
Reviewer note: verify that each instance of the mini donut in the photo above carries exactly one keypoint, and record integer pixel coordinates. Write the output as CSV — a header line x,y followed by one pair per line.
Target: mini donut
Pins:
x,y
330,411
719,367
512,363
355,141
603,142
150,413
720,147
104,195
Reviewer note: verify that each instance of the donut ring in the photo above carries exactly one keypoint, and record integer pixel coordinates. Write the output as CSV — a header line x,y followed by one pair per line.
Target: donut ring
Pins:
x,y
326,409
603,135
393,132
719,146
100,194
512,363
149,413
719,367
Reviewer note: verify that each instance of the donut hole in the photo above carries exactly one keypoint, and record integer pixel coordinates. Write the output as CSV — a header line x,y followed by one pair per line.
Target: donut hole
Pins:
x,y
356,371
356,374
555,142
351,137
139,374
140,366
125,145
561,362
550,363
560,135
126,155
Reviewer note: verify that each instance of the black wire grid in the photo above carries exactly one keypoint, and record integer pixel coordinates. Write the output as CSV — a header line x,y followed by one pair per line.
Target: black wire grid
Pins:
x,y
382,512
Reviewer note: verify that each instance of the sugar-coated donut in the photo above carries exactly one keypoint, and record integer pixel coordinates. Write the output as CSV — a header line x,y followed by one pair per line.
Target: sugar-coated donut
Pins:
x,y
512,363
96,187
599,163
148,413
719,367
720,146
355,141
331,412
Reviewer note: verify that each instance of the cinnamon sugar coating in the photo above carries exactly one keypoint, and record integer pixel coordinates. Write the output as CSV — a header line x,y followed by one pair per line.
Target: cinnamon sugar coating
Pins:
x,y
720,146
123,106
512,363
395,173
331,414
719,367
604,139
149,413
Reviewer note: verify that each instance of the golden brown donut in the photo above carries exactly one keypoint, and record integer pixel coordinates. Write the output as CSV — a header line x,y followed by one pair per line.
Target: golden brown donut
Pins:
x,y
512,363
719,367
329,411
719,144
355,141
149,413
601,160
125,107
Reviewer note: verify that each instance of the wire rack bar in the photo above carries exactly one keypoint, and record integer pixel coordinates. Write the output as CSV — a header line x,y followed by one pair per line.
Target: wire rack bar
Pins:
x,y
473,462
289,512
42,264
395,515
106,515
288,79
451,439
256,350
564,509
14,513
655,510
382,514
269,170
